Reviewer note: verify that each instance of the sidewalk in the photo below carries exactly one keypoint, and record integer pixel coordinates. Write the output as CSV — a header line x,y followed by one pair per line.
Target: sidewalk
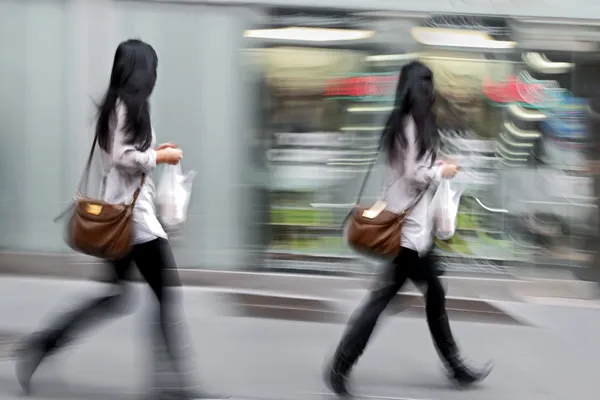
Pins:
x,y
282,359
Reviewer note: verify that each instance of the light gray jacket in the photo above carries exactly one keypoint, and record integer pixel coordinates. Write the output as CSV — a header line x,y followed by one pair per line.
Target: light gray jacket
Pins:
x,y
403,182
122,169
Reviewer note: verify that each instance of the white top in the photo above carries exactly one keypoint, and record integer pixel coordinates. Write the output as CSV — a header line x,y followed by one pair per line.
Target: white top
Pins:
x,y
402,184
123,167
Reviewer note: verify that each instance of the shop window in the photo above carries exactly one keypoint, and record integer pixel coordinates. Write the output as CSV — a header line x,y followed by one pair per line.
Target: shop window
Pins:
x,y
515,119
320,142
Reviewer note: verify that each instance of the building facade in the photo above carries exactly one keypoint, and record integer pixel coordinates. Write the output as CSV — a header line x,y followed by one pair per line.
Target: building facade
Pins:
x,y
281,128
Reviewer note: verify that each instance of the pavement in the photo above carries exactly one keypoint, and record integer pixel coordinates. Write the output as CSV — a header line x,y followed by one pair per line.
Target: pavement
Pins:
x,y
552,354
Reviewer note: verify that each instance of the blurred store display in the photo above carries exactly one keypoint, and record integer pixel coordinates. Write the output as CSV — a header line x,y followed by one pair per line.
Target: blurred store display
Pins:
x,y
511,118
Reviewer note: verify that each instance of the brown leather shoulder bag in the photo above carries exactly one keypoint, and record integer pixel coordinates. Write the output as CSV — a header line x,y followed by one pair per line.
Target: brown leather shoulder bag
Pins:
x,y
375,231
98,228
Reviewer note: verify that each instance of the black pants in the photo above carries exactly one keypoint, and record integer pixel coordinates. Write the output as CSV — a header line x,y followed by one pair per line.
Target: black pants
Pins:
x,y
156,264
423,271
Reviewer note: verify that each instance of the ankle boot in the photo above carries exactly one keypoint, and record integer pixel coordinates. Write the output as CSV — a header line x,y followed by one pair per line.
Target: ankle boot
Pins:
x,y
460,372
464,375
336,375
29,354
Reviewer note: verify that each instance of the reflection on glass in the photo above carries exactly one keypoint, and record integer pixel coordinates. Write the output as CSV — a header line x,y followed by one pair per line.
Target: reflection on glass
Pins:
x,y
514,119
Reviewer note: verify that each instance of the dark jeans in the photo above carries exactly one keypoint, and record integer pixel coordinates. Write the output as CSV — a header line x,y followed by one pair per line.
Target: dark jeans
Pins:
x,y
156,264
423,271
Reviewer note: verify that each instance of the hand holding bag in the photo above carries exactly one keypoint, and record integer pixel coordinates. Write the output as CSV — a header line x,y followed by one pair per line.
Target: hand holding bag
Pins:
x,y
98,228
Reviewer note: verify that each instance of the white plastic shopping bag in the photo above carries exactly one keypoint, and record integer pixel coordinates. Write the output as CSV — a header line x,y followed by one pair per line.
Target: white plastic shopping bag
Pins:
x,y
444,207
173,196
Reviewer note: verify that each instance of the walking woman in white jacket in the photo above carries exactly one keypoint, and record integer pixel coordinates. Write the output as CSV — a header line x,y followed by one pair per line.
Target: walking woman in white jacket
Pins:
x,y
409,141
127,144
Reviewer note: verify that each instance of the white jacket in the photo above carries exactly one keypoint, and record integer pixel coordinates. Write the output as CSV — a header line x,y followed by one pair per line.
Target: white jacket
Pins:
x,y
403,182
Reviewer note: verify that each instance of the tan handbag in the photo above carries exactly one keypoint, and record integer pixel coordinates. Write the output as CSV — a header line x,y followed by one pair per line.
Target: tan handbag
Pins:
x,y
375,231
97,228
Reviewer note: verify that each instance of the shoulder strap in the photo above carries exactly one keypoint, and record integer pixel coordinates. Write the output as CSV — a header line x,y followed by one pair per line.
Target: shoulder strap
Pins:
x,y
83,182
416,200
136,194
364,182
364,185
367,174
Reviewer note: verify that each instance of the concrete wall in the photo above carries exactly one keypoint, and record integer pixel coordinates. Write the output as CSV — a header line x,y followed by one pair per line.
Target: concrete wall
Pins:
x,y
56,57
33,122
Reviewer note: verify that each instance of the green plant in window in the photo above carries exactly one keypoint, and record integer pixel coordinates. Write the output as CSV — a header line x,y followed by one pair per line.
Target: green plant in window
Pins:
x,y
486,239
277,216
454,245
466,221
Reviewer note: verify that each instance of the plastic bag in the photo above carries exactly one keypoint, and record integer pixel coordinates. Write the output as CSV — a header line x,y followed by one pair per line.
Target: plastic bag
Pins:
x,y
173,197
444,206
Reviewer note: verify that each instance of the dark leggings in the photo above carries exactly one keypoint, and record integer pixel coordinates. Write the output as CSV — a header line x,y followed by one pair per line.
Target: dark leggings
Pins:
x,y
155,263
423,271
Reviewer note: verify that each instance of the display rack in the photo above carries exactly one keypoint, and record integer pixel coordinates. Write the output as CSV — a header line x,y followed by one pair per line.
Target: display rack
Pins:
x,y
306,230
514,213
549,195
480,244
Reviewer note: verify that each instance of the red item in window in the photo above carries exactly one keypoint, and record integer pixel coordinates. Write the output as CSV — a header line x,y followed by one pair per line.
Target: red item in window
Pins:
x,y
513,90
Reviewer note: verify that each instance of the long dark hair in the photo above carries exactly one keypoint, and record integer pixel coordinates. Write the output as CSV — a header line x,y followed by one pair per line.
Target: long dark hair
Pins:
x,y
415,95
132,80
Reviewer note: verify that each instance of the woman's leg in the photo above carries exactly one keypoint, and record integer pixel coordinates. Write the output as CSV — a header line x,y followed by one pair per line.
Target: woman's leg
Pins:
x,y
156,264
439,326
38,346
364,320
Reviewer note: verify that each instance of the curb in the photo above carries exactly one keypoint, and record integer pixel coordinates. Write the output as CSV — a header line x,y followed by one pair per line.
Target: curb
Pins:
x,y
75,266
321,310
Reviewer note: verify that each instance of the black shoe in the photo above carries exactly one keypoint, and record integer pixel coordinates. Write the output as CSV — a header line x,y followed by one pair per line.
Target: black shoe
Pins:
x,y
463,376
336,382
29,354
336,376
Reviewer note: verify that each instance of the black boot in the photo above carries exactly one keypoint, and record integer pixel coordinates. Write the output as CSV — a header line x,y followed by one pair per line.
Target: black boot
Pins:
x,y
460,373
464,375
336,374
29,355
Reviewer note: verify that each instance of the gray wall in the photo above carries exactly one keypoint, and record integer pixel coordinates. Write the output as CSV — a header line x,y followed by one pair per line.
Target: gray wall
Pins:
x,y
56,57
33,122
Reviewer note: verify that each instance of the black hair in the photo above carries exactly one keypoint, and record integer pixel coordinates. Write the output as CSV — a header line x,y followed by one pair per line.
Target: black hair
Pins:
x,y
415,95
132,81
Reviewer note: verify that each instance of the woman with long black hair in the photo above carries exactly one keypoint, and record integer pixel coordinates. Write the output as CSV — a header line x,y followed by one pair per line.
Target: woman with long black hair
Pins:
x,y
126,142
410,141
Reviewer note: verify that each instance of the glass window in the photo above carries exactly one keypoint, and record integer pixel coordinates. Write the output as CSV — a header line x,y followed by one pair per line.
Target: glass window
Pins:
x,y
511,110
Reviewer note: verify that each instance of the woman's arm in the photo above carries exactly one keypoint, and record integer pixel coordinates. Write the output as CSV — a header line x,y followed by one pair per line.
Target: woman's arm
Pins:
x,y
127,157
422,172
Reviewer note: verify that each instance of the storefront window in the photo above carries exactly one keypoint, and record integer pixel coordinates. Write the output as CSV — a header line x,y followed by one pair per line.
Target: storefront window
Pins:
x,y
318,145
469,126
514,117
544,152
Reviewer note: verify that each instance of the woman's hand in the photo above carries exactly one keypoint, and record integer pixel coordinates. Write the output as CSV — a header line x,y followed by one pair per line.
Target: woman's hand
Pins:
x,y
449,170
167,146
169,155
